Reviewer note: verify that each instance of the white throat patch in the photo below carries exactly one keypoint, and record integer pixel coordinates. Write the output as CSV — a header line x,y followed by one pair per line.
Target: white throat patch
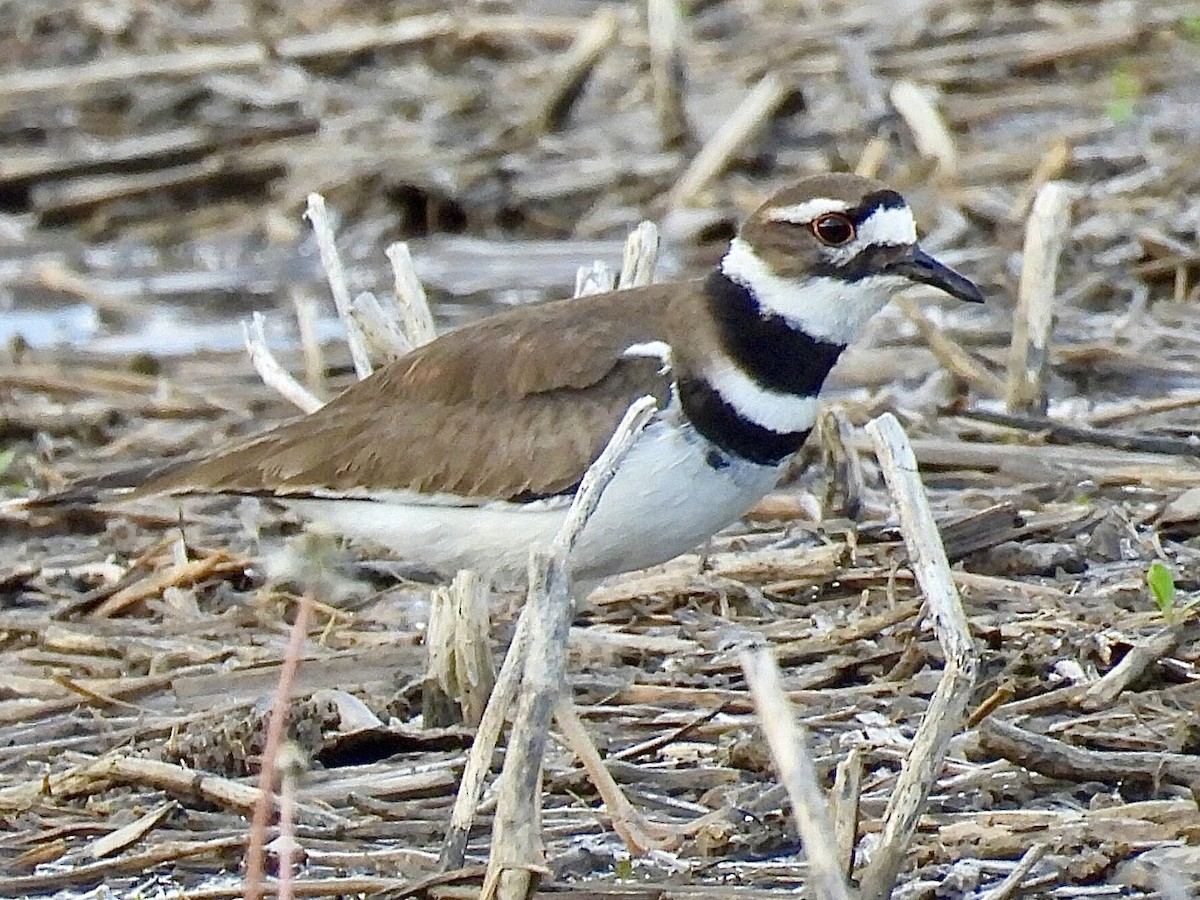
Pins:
x,y
828,309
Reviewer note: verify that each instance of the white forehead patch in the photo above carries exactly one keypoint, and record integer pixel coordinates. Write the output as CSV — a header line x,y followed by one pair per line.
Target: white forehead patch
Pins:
x,y
775,411
890,225
803,213
825,308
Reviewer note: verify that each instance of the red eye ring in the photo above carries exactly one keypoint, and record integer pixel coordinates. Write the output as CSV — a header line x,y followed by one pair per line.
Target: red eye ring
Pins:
x,y
833,229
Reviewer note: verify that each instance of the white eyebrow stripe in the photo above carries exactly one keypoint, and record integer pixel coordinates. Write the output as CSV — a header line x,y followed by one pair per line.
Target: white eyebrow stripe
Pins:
x,y
803,213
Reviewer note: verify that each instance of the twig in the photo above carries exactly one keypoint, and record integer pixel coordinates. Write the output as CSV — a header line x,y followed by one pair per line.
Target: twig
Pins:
x,y
1057,759
331,261
947,708
847,789
951,355
637,833
789,748
415,315
516,838
1029,357
1012,882
594,279
1101,693
478,760
837,434
664,26
381,335
306,324
67,81
566,82
641,257
270,370
1074,434
270,754
751,116
454,847
461,671
928,127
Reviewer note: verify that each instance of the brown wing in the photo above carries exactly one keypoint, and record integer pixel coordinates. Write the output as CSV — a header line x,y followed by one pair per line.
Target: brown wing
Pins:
x,y
516,405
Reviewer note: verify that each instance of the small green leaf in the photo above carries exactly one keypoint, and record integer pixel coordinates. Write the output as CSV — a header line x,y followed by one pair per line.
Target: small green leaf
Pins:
x,y
624,869
7,457
1191,26
1127,89
1162,586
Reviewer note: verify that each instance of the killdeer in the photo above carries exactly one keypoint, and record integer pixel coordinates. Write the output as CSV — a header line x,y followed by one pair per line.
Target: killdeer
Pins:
x,y
468,450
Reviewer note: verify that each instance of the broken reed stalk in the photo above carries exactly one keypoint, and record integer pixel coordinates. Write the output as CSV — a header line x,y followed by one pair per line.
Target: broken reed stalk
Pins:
x,y
664,28
331,262
1033,320
412,305
305,306
948,706
640,257
461,671
752,115
932,136
516,837
271,371
846,795
566,82
788,743
384,339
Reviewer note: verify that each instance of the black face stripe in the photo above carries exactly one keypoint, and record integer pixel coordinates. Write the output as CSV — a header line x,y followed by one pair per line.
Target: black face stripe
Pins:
x,y
714,418
874,201
872,259
776,355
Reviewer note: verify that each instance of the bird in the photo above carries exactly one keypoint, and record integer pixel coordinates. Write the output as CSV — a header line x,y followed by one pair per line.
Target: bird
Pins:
x,y
467,451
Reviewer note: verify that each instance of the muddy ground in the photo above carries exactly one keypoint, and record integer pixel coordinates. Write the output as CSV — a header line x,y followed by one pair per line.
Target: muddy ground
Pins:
x,y
154,166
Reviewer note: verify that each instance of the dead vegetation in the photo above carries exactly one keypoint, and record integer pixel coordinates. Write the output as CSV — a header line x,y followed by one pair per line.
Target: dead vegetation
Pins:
x,y
157,156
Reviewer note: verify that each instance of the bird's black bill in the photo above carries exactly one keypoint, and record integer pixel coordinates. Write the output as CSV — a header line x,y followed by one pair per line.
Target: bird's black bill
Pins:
x,y
920,266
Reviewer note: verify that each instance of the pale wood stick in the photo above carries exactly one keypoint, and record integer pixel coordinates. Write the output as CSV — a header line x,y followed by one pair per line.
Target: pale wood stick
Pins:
x,y
68,81
331,262
947,708
594,279
461,671
517,858
1012,882
306,324
344,41
271,372
788,743
381,336
1033,320
488,733
847,789
594,39
415,314
750,117
664,27
951,355
641,257
929,130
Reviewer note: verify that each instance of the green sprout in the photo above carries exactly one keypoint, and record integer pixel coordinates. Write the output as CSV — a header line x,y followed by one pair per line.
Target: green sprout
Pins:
x,y
1126,91
1166,597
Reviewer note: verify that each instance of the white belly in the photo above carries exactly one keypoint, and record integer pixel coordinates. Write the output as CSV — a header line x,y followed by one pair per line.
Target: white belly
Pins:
x,y
665,499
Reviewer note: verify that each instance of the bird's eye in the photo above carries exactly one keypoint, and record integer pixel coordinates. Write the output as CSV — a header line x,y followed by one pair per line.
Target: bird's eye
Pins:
x,y
833,229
